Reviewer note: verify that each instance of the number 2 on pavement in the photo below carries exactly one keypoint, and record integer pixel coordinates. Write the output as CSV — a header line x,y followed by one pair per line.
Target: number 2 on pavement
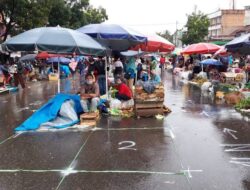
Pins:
x,y
127,145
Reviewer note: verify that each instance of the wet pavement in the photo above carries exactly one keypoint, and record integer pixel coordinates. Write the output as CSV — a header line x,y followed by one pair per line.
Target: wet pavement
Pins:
x,y
201,145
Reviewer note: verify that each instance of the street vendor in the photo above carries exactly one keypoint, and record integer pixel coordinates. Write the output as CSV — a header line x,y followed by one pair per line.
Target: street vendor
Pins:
x,y
90,94
124,92
155,78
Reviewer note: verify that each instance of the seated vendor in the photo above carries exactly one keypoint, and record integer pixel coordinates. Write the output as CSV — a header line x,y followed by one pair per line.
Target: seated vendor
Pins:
x,y
155,78
90,94
124,92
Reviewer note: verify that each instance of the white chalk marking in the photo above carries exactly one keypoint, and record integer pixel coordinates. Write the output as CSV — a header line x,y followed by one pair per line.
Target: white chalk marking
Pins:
x,y
205,113
127,147
22,109
171,134
240,163
237,147
68,171
7,139
240,158
230,132
189,172
170,182
18,134
71,171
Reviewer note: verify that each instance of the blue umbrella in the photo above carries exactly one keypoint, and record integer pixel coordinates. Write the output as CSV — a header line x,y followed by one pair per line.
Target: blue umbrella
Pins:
x,y
116,37
240,45
211,62
28,57
62,60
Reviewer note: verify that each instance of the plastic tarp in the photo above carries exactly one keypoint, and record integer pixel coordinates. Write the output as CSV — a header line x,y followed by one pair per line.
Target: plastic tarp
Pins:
x,y
67,116
50,111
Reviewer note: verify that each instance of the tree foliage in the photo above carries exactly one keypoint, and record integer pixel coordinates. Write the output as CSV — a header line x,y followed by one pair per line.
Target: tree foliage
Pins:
x,y
197,28
21,15
166,34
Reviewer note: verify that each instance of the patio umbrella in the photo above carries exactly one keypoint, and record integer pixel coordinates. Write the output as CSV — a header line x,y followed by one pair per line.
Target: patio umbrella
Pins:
x,y
155,43
240,45
222,51
54,40
28,57
46,55
62,60
131,53
113,36
201,48
177,51
211,62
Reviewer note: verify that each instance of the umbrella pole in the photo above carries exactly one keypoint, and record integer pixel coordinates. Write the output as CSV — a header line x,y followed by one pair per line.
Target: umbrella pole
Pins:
x,y
106,75
58,76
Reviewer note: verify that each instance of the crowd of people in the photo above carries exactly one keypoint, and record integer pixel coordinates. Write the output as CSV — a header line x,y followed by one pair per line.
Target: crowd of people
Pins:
x,y
122,72
126,72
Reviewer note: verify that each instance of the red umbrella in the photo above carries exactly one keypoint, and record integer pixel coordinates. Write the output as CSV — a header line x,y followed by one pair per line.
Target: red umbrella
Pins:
x,y
155,43
201,48
46,55
222,51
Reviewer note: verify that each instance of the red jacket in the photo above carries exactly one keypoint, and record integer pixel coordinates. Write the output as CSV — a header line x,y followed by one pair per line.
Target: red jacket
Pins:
x,y
162,60
123,89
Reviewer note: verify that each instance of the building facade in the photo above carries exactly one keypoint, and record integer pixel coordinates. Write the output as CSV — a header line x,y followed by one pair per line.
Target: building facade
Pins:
x,y
224,22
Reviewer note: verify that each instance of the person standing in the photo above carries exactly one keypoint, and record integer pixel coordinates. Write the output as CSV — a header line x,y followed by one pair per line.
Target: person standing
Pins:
x,y
117,67
101,74
18,73
130,72
162,63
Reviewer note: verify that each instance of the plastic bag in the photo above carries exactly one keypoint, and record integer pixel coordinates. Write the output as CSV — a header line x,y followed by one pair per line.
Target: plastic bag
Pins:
x,y
127,104
115,104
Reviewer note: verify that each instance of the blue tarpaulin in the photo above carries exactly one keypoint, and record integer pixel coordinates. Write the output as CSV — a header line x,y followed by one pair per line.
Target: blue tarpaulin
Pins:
x,y
49,112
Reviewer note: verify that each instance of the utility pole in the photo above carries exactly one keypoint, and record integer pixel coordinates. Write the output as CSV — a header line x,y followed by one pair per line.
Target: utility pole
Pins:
x,y
176,32
233,4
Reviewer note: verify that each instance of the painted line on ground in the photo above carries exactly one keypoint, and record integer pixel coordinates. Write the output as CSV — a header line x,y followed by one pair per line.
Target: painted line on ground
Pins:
x,y
70,168
9,138
95,171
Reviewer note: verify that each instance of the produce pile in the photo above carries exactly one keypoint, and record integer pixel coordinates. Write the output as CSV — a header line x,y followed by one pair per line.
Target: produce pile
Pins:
x,y
156,95
199,80
226,88
246,88
243,104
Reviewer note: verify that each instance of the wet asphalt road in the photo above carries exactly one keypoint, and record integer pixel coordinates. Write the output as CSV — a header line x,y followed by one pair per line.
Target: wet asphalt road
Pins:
x,y
199,146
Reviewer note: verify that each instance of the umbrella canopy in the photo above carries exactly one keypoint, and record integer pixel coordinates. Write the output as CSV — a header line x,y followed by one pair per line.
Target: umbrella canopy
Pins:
x,y
131,53
28,57
54,40
177,51
211,62
113,36
155,43
240,45
222,51
201,48
46,55
62,60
